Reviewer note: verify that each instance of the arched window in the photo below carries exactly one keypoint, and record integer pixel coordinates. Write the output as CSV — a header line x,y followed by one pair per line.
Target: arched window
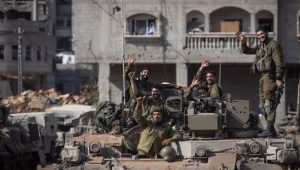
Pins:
x,y
265,19
195,22
142,24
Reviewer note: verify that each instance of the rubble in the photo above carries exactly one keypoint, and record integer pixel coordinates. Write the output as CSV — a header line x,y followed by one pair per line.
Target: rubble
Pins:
x,y
35,101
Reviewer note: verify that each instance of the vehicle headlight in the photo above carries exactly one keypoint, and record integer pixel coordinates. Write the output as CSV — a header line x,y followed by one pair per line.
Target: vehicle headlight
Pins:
x,y
95,147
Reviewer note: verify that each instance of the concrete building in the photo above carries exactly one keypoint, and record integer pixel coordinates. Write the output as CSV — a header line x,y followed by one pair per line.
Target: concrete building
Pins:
x,y
37,19
173,37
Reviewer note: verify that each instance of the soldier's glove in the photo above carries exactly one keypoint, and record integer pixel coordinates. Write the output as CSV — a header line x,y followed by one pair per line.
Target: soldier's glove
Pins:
x,y
253,69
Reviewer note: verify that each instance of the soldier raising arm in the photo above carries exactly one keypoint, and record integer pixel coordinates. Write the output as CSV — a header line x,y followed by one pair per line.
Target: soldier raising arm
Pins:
x,y
269,64
155,133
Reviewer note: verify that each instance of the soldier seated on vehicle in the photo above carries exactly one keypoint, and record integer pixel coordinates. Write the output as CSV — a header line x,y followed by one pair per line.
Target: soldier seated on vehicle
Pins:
x,y
151,101
155,133
209,81
202,91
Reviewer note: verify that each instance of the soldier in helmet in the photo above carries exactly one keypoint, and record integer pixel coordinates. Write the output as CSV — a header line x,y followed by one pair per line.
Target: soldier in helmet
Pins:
x,y
269,64
155,133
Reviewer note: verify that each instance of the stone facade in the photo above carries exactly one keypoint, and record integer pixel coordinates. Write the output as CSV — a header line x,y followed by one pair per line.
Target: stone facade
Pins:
x,y
36,18
175,52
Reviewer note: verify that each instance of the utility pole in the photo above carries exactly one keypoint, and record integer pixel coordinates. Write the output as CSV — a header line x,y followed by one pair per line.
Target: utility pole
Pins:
x,y
20,32
123,52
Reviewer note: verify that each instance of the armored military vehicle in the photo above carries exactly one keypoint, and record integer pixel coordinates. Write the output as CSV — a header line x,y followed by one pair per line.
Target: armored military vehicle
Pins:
x,y
217,134
17,149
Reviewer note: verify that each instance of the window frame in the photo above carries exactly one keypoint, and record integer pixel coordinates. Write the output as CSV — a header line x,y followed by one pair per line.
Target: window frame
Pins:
x,y
2,51
14,51
28,57
131,26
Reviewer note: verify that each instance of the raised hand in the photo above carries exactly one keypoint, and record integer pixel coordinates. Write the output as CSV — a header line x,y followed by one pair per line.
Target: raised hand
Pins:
x,y
140,99
204,64
131,59
131,75
241,37
195,82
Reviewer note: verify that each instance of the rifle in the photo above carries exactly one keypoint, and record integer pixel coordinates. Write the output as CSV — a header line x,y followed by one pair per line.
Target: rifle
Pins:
x,y
278,94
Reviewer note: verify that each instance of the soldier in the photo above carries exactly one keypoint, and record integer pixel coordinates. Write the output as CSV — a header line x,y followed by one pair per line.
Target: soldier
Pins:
x,y
210,81
148,102
269,64
155,133
142,82
202,90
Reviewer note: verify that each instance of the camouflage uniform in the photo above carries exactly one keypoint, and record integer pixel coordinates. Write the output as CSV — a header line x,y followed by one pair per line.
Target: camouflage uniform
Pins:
x,y
269,64
214,90
153,134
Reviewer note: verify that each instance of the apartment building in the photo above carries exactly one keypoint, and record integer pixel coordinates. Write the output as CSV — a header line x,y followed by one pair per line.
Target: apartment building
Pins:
x,y
36,18
173,37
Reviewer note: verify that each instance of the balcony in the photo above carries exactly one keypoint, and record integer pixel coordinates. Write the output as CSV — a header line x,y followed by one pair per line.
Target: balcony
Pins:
x,y
218,41
28,26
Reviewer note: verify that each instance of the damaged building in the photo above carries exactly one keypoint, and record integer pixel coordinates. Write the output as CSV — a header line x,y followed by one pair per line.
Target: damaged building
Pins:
x,y
36,21
164,39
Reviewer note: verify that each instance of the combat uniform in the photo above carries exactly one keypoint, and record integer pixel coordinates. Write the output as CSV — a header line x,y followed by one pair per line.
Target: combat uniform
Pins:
x,y
144,86
149,104
153,134
269,64
214,90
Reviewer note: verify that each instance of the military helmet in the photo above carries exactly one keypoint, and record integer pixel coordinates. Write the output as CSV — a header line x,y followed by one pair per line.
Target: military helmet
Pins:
x,y
168,153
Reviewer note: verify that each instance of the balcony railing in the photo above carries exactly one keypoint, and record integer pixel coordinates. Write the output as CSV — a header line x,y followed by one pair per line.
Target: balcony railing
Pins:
x,y
28,26
217,40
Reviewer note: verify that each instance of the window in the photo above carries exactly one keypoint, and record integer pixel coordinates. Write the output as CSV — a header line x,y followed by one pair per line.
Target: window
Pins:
x,y
60,23
38,53
267,23
1,52
293,72
46,54
142,25
14,50
298,26
28,53
69,23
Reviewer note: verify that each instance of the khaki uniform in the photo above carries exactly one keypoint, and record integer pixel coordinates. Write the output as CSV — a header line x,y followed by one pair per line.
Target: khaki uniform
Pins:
x,y
152,134
269,64
149,103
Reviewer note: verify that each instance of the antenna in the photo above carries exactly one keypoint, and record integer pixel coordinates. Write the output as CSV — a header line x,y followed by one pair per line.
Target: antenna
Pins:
x,y
20,32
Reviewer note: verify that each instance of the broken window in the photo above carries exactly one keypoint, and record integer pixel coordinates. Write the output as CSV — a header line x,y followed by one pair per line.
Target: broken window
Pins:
x,y
142,25
14,52
1,52
28,53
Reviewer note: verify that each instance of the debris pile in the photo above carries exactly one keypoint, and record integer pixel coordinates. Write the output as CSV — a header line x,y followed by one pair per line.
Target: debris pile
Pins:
x,y
35,101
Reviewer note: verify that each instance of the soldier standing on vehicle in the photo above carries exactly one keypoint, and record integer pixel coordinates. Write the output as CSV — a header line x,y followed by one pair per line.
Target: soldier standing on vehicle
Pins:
x,y
210,81
269,64
155,133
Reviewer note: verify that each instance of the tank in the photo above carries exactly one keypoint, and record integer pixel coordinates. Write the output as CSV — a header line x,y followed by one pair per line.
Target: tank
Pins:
x,y
216,134
17,150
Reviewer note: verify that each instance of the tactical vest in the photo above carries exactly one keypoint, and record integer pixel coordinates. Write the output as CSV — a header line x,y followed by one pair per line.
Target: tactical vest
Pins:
x,y
264,61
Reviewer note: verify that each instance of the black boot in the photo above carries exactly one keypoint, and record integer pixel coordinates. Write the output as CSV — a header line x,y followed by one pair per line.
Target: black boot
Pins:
x,y
268,132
